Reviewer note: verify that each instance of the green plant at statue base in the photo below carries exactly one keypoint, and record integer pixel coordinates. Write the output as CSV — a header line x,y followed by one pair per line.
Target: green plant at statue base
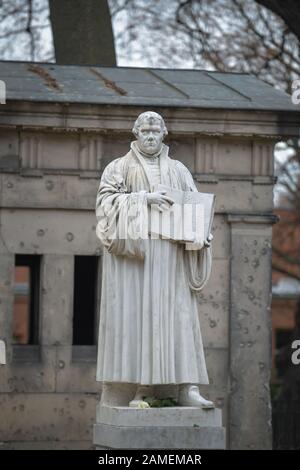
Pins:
x,y
160,403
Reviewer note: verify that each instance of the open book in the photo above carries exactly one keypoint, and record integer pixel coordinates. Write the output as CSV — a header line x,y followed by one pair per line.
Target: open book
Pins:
x,y
189,219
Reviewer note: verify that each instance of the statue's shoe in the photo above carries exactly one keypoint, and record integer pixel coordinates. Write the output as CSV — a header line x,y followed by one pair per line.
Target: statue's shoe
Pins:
x,y
138,404
141,392
190,396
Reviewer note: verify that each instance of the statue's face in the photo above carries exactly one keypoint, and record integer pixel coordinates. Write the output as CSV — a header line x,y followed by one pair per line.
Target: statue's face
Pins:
x,y
150,137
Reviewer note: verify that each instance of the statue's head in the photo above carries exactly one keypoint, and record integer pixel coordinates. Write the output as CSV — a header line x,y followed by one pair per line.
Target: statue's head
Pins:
x,y
150,130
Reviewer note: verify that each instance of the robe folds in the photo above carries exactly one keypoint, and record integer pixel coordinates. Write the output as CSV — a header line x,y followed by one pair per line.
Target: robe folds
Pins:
x,y
149,329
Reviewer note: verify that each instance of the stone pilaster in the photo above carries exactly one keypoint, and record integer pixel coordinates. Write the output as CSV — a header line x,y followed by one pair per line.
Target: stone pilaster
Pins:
x,y
250,331
57,273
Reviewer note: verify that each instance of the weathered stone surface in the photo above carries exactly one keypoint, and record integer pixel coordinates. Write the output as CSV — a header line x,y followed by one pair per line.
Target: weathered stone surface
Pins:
x,y
237,194
183,150
214,324
57,274
217,288
52,370
6,296
47,416
221,240
250,339
217,364
181,122
9,151
74,376
47,445
165,437
37,376
161,417
234,157
217,360
261,198
50,232
50,190
176,427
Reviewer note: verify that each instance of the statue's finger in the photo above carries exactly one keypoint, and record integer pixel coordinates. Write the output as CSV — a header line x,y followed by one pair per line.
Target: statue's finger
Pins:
x,y
168,199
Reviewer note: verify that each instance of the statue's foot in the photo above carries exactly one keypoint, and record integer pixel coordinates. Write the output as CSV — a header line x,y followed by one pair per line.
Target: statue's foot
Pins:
x,y
189,395
138,404
138,401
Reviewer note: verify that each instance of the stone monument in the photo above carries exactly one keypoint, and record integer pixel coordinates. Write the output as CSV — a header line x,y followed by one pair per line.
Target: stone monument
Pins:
x,y
150,342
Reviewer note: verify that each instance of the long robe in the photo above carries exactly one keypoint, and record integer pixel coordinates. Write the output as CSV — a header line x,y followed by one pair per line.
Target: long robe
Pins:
x,y
149,330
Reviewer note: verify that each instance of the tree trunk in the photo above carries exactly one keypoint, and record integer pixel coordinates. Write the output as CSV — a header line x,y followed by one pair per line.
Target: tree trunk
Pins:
x,y
288,10
82,32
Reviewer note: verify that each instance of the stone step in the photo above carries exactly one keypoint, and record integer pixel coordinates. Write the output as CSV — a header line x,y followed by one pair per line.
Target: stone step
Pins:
x,y
179,416
107,436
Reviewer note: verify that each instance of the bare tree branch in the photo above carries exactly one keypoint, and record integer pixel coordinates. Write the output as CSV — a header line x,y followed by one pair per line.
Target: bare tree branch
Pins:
x,y
284,271
288,10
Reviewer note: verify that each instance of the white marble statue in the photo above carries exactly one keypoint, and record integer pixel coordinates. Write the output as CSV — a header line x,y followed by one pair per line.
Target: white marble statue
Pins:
x,y
149,331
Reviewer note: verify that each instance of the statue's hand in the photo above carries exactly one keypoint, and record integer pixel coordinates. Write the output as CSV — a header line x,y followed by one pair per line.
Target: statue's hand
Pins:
x,y
208,241
160,198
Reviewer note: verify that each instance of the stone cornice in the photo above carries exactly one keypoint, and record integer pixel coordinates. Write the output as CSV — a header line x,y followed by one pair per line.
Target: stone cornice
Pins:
x,y
57,117
247,218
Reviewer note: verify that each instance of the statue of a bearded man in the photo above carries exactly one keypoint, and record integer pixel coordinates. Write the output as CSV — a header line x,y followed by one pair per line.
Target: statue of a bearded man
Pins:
x,y
149,331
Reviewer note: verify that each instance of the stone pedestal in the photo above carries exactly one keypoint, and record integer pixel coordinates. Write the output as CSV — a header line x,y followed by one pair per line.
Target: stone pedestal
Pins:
x,y
121,427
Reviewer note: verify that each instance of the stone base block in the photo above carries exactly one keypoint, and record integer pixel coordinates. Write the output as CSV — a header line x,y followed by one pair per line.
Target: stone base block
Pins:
x,y
158,428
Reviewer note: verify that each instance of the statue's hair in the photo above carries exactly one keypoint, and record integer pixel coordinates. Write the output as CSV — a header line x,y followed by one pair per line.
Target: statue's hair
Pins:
x,y
149,116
